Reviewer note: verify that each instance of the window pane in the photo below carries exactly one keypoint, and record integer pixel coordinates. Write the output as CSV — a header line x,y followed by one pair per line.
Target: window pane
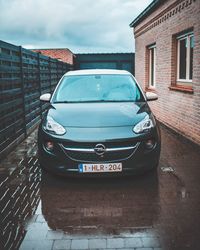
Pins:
x,y
152,67
182,59
152,59
191,55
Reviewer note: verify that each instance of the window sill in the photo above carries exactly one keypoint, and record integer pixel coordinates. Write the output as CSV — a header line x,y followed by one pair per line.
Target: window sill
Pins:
x,y
183,81
184,89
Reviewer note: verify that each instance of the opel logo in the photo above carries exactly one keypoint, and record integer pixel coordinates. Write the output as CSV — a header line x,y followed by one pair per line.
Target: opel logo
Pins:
x,y
100,149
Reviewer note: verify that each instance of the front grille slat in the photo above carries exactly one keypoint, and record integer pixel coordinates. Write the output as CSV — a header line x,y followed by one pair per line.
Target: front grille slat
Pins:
x,y
107,144
84,152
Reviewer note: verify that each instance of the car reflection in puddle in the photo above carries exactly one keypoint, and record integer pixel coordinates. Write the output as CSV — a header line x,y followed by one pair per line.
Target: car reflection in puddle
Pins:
x,y
100,206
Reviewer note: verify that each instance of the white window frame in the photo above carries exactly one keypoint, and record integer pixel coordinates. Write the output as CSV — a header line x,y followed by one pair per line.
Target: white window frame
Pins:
x,y
152,49
186,36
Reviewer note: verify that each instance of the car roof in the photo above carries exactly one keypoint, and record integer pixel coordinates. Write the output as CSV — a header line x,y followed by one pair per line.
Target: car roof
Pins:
x,y
97,72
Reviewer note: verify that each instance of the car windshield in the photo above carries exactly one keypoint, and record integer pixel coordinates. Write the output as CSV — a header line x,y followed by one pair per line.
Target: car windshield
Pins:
x,y
97,88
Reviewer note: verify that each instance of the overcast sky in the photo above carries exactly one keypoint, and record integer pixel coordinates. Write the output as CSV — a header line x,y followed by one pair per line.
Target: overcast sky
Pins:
x,y
84,26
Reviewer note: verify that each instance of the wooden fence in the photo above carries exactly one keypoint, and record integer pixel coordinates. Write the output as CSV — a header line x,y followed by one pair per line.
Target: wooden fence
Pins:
x,y
24,76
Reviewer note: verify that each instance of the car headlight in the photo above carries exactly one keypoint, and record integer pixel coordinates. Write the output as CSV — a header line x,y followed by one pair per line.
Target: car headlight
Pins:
x,y
53,127
144,126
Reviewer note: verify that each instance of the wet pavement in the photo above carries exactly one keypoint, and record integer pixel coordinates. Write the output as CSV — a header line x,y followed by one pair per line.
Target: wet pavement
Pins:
x,y
153,211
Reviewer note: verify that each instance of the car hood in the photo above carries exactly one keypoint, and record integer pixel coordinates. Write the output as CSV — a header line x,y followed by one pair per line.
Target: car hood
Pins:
x,y
96,115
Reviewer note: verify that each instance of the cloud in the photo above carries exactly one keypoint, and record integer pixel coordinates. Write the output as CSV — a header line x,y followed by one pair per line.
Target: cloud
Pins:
x,y
81,25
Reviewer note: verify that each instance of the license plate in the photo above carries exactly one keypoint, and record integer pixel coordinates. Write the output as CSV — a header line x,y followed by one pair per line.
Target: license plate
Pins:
x,y
100,168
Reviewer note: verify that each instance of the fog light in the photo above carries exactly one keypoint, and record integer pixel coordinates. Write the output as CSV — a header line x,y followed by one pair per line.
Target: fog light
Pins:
x,y
149,144
49,145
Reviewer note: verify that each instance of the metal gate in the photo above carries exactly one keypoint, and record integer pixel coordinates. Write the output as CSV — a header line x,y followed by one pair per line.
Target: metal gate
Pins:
x,y
123,61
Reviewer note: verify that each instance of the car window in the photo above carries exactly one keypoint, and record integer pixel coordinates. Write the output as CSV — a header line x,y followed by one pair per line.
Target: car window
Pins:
x,y
98,88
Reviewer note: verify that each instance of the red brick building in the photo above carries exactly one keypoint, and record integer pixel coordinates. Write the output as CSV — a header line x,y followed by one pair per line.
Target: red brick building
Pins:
x,y
167,61
64,55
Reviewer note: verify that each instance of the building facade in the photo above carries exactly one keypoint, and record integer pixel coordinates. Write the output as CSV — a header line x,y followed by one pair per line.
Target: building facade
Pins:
x,y
167,61
64,55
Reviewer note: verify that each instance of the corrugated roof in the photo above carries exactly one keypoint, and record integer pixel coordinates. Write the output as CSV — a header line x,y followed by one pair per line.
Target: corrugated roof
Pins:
x,y
149,9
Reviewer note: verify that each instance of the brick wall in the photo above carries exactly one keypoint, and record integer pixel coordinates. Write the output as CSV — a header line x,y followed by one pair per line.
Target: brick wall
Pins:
x,y
177,109
64,55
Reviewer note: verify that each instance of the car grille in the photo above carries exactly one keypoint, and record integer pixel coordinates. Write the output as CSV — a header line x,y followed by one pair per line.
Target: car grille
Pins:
x,y
84,152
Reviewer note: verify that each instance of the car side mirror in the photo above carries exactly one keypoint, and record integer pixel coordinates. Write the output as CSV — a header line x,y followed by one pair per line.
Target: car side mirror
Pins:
x,y
45,97
151,96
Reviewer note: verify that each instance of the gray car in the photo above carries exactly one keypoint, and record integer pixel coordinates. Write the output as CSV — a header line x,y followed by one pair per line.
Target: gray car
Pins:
x,y
98,123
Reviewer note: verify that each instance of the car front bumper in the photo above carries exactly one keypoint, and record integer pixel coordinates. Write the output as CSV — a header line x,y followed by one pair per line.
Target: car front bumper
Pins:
x,y
135,157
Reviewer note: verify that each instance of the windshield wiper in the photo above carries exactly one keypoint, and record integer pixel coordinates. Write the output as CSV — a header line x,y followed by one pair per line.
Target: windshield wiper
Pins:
x,y
118,101
91,101
60,102
79,101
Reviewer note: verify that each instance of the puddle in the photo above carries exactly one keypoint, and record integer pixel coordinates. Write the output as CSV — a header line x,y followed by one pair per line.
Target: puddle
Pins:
x,y
182,193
